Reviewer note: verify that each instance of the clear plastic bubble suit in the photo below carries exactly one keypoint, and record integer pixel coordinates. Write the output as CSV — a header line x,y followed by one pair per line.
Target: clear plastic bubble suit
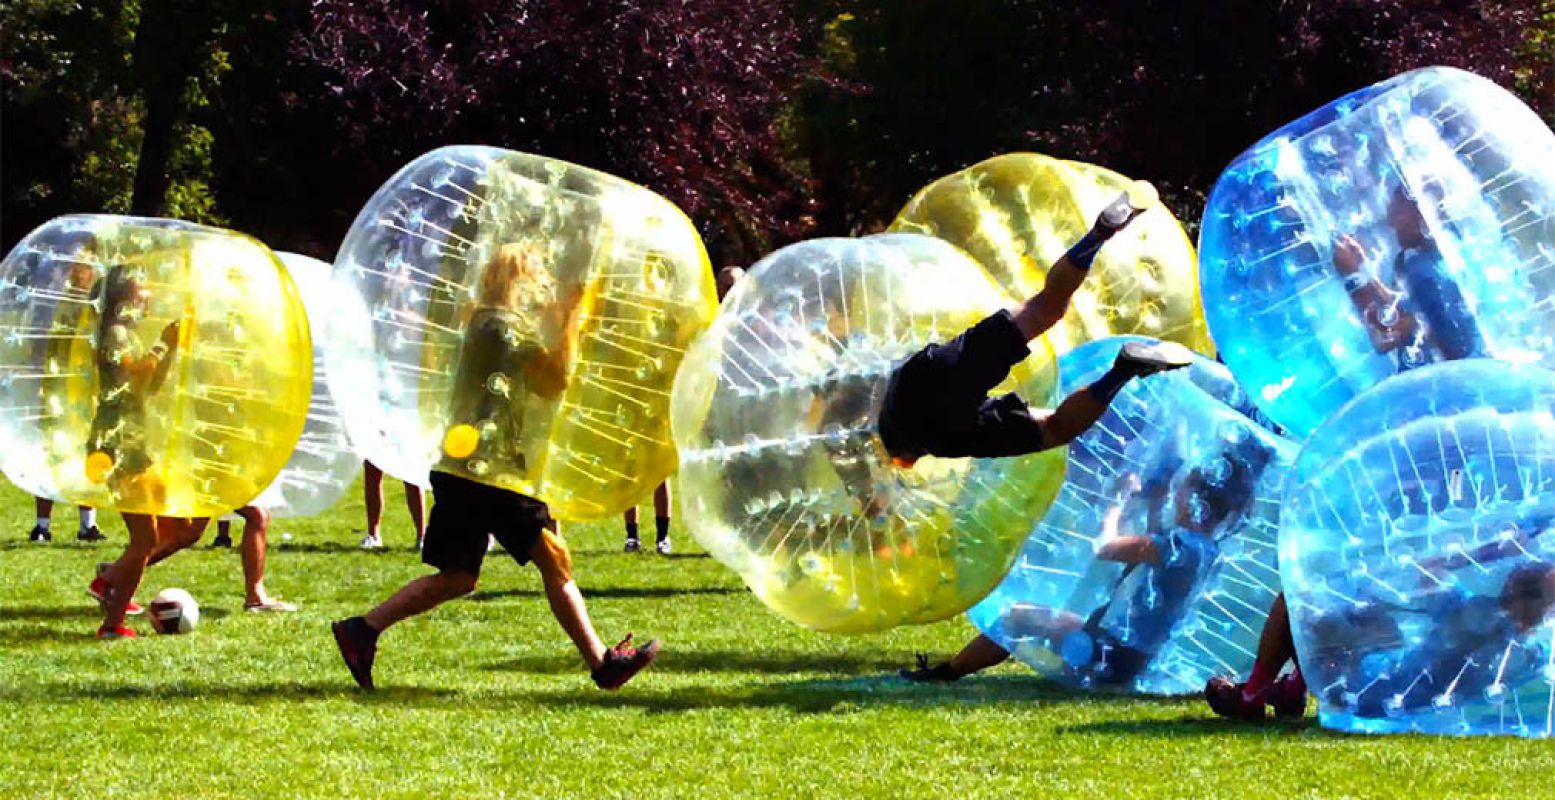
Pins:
x,y
108,405
1407,223
781,467
1019,213
1175,467
323,464
1417,554
518,321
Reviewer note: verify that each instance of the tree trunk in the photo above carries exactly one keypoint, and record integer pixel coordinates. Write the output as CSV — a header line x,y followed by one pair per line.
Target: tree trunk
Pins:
x,y
170,47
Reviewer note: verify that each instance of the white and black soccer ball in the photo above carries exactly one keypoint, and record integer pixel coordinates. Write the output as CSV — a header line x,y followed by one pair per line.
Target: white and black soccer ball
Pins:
x,y
174,611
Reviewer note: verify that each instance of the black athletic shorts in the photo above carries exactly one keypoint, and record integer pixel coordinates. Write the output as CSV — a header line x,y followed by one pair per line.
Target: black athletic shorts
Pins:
x,y
936,403
465,512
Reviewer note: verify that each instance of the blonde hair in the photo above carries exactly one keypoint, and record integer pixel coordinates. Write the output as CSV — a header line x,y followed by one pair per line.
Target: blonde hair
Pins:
x,y
516,279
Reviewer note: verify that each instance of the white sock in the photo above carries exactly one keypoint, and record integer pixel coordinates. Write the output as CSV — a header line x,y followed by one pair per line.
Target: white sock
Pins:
x,y
88,518
43,522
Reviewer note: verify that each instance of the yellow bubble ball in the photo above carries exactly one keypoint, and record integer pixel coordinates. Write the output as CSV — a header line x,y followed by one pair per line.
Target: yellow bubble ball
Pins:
x,y
154,366
518,321
1019,213
783,476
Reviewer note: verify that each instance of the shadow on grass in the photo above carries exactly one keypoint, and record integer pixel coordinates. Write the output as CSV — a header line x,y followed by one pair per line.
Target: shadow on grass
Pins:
x,y
703,661
337,547
612,592
240,693
829,696
1193,727
70,544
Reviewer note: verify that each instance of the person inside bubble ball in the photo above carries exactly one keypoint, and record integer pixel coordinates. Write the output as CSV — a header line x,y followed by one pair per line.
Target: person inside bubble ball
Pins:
x,y
499,361
1468,646
936,402
1423,317
1163,573
117,451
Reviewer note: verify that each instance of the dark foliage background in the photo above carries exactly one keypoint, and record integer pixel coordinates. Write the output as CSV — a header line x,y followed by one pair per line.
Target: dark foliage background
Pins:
x,y
766,120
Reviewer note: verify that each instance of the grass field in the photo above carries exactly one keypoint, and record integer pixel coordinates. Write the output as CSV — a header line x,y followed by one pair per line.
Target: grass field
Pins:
x,y
485,697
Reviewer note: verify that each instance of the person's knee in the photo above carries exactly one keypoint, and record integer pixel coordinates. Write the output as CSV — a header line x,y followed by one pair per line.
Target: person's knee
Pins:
x,y
551,556
457,584
254,518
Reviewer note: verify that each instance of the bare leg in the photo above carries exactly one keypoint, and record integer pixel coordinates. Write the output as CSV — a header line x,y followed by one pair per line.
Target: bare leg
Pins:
x,y
550,556
661,501
44,507
1275,646
630,516
125,574
256,528
979,654
416,504
420,596
1046,308
175,535
372,490
1074,416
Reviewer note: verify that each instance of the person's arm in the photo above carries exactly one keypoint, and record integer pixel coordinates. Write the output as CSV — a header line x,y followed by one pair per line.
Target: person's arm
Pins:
x,y
1130,550
547,372
1386,323
161,355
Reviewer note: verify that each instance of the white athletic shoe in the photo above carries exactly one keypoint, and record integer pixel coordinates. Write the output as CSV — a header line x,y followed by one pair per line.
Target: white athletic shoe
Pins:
x,y
371,542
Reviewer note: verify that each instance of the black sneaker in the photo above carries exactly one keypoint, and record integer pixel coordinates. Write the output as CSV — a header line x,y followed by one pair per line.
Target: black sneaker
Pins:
x,y
222,540
633,545
1137,199
92,534
40,534
358,644
1148,358
939,673
622,662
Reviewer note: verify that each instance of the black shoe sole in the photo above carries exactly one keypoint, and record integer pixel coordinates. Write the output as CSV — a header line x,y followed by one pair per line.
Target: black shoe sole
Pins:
x,y
343,642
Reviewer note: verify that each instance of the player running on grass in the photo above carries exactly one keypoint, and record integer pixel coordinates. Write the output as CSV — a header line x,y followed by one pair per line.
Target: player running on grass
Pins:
x,y
514,286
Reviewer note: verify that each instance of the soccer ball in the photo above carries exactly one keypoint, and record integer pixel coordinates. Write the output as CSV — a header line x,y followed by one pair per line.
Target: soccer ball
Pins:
x,y
174,611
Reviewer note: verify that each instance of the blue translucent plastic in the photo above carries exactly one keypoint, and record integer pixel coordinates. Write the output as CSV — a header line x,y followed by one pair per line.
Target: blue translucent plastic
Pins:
x,y
1174,460
1417,559
1451,149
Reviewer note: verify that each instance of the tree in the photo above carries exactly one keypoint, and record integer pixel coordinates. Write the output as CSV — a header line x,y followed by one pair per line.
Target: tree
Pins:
x,y
683,96
1169,90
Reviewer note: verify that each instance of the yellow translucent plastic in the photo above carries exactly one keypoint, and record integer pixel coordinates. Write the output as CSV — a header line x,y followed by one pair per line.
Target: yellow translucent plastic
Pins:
x,y
519,323
1019,213
783,477
101,411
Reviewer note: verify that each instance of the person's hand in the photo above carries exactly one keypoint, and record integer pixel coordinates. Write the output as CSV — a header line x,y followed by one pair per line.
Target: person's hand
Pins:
x,y
170,335
1349,255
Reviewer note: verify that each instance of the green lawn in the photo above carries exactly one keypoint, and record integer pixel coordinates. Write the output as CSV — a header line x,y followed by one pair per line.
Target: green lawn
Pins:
x,y
485,698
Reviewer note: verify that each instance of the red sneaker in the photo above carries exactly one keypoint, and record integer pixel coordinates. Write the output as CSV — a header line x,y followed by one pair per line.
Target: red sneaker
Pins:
x,y
1225,699
100,590
622,662
108,634
1288,696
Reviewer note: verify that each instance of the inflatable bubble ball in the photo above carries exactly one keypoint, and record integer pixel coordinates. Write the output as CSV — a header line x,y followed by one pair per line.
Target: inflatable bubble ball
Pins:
x,y
1405,224
149,365
1418,557
1019,213
783,477
1156,566
517,320
323,463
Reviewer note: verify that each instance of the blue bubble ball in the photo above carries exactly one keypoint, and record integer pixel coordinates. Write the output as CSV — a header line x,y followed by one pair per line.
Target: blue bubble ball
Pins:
x,y
1406,224
1156,566
1417,557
